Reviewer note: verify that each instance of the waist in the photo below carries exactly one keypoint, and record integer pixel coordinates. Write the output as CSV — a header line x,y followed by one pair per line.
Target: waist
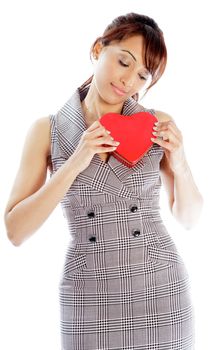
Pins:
x,y
113,221
107,213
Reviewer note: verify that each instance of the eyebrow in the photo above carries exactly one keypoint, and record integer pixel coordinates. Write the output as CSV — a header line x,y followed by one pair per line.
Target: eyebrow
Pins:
x,y
135,59
130,54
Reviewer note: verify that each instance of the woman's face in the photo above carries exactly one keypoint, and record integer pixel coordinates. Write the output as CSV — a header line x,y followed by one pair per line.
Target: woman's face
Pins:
x,y
119,69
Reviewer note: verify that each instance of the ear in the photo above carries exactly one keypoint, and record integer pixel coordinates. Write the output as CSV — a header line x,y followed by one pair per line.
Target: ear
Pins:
x,y
97,49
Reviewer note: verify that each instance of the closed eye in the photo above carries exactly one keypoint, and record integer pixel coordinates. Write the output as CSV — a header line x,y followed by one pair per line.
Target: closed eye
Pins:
x,y
141,77
126,65
123,64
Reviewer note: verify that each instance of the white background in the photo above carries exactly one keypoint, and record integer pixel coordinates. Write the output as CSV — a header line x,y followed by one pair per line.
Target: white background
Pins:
x,y
44,57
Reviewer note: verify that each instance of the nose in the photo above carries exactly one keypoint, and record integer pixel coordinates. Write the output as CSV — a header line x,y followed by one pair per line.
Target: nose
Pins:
x,y
128,80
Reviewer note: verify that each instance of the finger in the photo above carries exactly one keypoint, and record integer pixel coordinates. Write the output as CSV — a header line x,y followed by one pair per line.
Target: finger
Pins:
x,y
165,135
106,149
170,142
162,143
168,125
94,126
162,125
99,131
168,132
172,126
104,130
108,141
97,125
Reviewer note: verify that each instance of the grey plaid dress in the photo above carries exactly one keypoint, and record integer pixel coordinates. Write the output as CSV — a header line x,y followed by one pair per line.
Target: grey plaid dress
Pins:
x,y
123,285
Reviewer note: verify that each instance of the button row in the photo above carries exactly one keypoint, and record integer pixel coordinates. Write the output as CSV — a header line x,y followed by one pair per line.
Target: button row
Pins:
x,y
135,233
133,209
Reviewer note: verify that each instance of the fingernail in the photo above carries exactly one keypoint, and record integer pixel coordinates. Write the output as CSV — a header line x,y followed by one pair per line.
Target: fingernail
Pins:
x,y
152,138
156,123
108,132
155,128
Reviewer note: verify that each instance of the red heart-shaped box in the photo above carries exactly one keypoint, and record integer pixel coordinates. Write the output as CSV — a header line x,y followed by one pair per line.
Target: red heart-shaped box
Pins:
x,y
134,133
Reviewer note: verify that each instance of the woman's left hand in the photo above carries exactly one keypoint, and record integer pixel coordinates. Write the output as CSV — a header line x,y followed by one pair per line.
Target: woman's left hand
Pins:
x,y
170,138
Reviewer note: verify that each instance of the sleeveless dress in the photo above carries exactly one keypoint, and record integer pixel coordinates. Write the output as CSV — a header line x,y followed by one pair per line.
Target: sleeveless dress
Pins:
x,y
124,284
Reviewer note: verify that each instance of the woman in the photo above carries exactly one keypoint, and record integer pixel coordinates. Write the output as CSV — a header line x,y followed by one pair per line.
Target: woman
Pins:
x,y
124,285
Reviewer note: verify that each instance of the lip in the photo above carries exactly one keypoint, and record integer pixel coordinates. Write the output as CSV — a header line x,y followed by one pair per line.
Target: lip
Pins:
x,y
118,91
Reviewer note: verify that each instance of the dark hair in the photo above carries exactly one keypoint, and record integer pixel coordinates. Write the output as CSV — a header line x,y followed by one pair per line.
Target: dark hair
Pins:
x,y
155,53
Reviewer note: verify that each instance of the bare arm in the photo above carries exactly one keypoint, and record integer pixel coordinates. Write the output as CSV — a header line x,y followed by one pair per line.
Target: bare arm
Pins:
x,y
185,200
32,200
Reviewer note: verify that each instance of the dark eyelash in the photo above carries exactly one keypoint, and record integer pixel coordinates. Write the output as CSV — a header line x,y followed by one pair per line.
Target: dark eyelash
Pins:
x,y
123,64
126,65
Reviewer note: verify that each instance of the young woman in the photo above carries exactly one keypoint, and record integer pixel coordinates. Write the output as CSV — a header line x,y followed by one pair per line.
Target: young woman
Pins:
x,y
124,284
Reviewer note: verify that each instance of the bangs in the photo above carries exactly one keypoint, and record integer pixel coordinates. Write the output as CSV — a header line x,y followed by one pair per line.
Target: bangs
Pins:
x,y
154,47
155,53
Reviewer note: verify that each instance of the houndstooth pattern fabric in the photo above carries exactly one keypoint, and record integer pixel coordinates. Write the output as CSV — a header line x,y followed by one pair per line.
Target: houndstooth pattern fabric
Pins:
x,y
124,284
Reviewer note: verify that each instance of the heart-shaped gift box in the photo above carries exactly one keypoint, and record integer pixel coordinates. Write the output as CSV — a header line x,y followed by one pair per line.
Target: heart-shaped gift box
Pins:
x,y
134,133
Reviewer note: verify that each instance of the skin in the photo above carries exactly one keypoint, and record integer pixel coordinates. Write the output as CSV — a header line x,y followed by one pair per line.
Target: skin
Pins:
x,y
185,200
34,198
109,70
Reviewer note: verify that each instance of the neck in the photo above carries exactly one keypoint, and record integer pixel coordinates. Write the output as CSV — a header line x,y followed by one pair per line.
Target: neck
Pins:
x,y
94,107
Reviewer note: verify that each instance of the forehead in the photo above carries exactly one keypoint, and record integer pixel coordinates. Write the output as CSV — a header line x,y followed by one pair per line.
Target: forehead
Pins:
x,y
134,44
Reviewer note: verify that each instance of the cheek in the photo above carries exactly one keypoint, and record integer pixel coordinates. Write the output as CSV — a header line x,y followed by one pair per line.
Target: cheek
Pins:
x,y
107,71
104,69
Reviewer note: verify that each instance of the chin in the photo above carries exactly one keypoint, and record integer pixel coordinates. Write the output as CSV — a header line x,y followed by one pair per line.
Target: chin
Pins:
x,y
114,99
108,96
110,100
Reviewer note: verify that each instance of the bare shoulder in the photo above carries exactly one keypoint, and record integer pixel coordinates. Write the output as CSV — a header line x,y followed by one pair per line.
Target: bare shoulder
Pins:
x,y
163,117
41,129
37,143
32,171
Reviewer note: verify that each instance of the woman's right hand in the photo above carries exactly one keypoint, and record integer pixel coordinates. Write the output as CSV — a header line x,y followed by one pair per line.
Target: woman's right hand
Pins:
x,y
91,142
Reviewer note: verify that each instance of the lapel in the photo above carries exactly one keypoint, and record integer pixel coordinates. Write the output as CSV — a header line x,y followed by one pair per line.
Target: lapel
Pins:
x,y
104,177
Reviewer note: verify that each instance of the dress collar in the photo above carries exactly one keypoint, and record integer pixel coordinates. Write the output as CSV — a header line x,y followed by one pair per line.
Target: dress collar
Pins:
x,y
103,176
